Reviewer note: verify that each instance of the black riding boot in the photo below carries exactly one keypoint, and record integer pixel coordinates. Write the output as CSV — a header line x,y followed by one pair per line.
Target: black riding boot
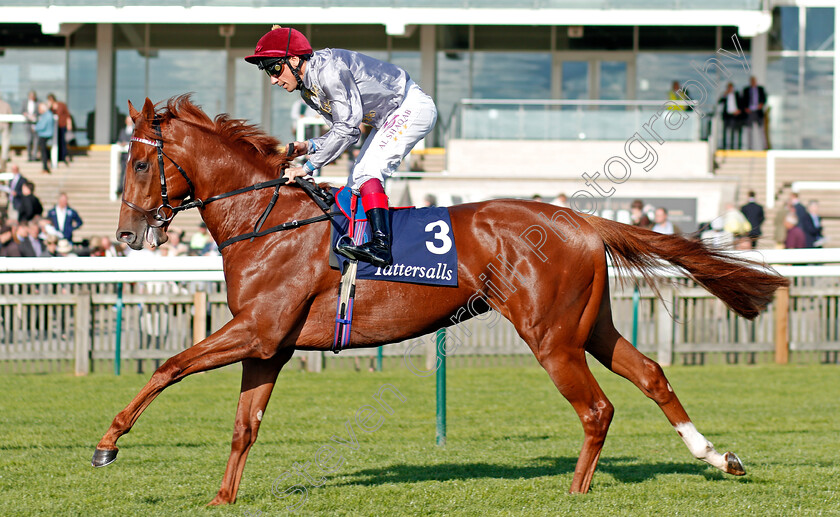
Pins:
x,y
377,251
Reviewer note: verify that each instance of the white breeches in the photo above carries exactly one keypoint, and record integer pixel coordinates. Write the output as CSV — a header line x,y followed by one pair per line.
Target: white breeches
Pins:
x,y
386,147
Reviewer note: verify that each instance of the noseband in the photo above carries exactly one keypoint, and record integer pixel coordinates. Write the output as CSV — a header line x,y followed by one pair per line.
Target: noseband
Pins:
x,y
164,213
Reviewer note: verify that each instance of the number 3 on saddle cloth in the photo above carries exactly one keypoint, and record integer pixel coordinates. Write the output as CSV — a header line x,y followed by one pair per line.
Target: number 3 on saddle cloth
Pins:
x,y
423,248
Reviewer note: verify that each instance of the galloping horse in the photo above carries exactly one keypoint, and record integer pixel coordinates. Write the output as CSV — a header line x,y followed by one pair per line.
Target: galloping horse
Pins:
x,y
282,291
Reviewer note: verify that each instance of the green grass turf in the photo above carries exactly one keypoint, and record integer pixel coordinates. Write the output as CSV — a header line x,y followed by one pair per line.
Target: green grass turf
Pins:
x,y
512,445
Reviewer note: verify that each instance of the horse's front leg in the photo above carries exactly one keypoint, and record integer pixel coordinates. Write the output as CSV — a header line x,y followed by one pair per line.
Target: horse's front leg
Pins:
x,y
258,378
233,342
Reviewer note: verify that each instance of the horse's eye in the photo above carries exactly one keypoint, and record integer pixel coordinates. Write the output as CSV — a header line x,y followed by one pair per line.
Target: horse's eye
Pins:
x,y
141,166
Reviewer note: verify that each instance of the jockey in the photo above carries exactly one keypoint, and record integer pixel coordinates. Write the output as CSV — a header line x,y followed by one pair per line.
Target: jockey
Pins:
x,y
348,89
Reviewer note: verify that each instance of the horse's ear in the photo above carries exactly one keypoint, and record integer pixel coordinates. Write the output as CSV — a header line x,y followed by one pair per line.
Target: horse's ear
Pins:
x,y
149,110
132,111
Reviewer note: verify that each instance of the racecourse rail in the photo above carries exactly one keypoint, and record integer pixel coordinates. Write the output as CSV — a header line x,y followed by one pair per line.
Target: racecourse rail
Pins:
x,y
82,309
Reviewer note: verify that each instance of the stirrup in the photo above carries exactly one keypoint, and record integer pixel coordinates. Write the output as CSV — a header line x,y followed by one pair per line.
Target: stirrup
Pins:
x,y
362,253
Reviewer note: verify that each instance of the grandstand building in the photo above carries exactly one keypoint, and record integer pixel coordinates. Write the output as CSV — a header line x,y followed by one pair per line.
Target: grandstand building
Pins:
x,y
574,78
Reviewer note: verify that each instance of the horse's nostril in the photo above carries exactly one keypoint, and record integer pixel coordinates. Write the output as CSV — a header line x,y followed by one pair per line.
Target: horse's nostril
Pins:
x,y
126,237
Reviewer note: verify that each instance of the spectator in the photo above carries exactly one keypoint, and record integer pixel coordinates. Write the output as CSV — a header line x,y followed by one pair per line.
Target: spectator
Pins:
x,y
679,95
211,249
429,200
755,215
50,247
35,237
199,240
736,223
715,236
24,245
662,224
795,237
8,245
779,230
47,228
637,214
5,133
733,116
815,237
108,248
96,249
65,124
561,200
64,218
30,112
805,221
175,247
124,138
29,206
754,99
15,190
65,249
44,128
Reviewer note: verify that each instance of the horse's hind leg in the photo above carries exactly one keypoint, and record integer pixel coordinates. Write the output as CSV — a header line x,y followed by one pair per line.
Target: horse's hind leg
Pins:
x,y
570,373
617,354
258,378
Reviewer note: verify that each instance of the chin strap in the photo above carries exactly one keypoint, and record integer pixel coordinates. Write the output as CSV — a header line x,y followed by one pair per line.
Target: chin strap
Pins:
x,y
296,73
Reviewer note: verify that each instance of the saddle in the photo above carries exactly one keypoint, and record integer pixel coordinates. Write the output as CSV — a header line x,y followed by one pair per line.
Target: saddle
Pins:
x,y
423,247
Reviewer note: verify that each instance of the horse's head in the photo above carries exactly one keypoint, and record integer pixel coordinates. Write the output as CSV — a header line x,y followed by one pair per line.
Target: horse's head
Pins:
x,y
153,185
228,153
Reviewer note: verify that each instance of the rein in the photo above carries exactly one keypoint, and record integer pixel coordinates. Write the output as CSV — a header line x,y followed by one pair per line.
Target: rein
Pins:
x,y
165,212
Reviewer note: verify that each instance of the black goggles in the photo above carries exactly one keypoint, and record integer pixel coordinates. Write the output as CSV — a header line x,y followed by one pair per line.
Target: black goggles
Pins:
x,y
273,68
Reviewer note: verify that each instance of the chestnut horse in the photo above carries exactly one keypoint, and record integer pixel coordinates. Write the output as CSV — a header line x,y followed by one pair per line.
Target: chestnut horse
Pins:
x,y
282,291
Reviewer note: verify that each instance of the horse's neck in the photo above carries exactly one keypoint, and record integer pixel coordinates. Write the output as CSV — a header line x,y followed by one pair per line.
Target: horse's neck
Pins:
x,y
236,215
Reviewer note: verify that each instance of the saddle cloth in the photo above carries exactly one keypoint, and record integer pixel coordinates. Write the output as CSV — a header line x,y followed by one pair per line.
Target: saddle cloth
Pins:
x,y
423,245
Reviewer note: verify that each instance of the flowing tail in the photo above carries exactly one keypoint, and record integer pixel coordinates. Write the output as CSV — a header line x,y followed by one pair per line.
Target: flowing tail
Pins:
x,y
745,286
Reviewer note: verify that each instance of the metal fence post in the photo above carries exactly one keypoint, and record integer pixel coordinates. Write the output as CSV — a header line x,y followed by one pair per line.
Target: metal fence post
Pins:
x,y
82,333
636,297
118,339
440,420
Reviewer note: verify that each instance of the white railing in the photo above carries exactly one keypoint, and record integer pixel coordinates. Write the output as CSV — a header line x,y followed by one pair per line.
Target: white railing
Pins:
x,y
151,268
72,309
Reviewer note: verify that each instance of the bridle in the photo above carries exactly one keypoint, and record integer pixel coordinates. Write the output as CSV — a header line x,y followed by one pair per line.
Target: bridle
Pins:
x,y
165,212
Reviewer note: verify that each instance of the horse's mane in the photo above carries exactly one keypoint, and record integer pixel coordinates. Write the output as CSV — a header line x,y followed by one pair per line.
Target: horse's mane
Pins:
x,y
236,132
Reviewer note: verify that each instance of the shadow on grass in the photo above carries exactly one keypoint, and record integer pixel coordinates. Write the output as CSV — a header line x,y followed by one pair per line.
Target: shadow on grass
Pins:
x,y
625,470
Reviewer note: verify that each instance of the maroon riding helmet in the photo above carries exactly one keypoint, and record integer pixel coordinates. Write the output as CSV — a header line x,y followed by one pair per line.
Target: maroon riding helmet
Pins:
x,y
280,42
276,47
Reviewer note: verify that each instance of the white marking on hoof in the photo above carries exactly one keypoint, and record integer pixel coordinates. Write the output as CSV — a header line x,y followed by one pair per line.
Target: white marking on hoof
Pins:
x,y
700,447
259,415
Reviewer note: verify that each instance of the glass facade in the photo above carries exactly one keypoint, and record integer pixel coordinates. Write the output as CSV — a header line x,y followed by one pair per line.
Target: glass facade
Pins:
x,y
479,62
800,77
81,93
44,71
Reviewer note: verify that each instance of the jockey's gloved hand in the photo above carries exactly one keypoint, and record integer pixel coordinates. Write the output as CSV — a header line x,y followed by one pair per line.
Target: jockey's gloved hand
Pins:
x,y
296,172
296,149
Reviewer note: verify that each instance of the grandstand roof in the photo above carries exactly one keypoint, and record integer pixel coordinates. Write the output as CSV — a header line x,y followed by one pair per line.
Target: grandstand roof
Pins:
x,y
395,15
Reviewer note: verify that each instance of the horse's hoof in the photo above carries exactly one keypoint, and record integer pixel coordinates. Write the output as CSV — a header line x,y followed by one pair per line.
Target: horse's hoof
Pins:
x,y
102,457
734,465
